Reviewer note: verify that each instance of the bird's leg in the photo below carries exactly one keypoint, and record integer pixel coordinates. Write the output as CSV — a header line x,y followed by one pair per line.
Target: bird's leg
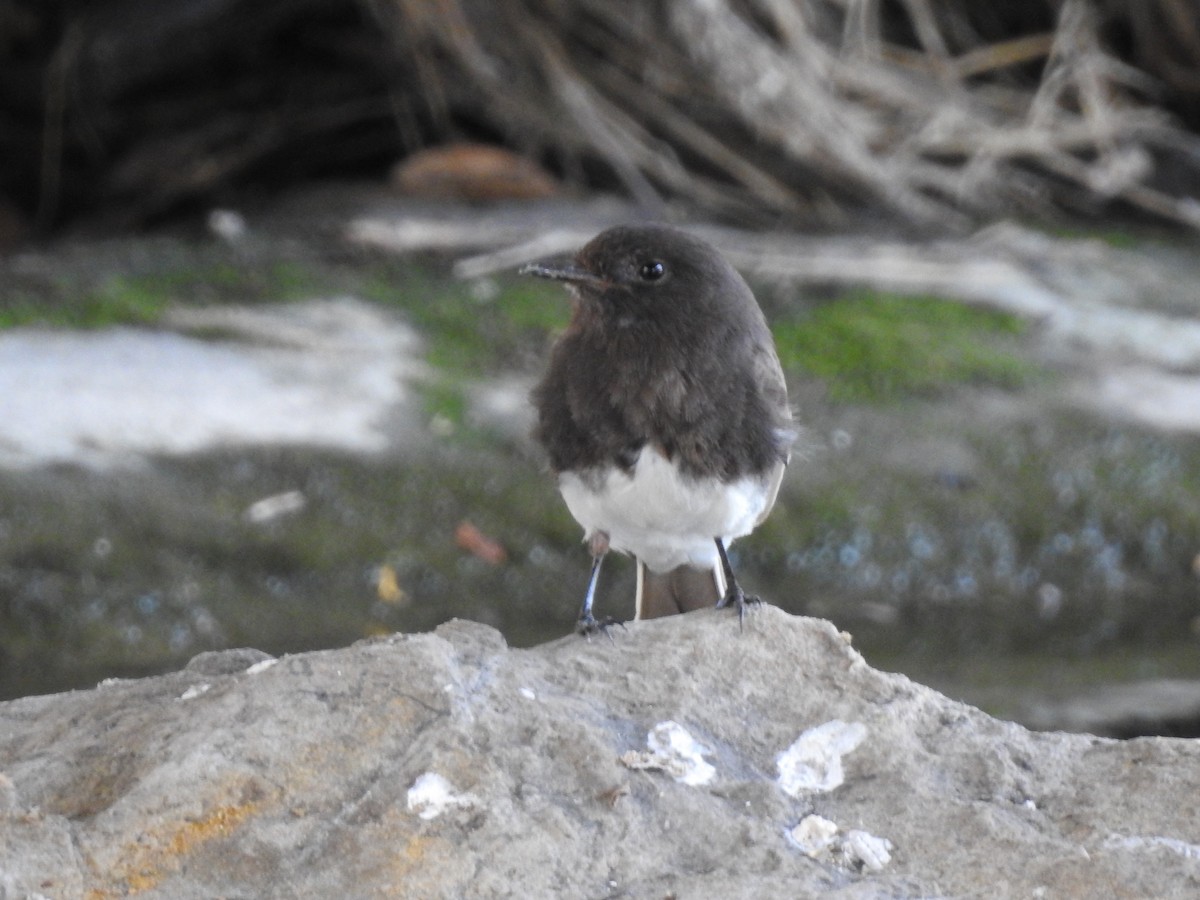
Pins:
x,y
587,624
585,614
734,595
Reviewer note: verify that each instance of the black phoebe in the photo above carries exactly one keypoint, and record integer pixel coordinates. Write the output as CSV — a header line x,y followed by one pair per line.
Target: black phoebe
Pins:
x,y
664,413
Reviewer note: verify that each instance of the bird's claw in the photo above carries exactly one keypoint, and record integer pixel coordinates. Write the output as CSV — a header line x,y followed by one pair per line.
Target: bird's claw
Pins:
x,y
589,625
740,600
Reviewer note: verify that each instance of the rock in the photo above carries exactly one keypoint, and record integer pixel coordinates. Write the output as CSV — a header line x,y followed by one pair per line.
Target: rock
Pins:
x,y
240,376
448,765
475,172
226,662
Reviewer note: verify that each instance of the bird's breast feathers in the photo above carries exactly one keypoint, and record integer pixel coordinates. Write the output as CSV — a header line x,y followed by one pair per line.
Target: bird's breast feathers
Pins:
x,y
661,515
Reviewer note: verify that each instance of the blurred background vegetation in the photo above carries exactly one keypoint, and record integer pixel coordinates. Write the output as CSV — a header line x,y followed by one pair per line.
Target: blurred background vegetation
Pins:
x,y
935,112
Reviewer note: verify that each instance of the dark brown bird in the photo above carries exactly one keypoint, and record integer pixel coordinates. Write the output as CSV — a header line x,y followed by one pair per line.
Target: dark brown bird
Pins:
x,y
664,413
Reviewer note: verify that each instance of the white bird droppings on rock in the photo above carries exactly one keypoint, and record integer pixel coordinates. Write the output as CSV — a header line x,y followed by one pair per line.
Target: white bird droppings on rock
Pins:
x,y
865,850
820,838
814,761
814,835
431,795
674,751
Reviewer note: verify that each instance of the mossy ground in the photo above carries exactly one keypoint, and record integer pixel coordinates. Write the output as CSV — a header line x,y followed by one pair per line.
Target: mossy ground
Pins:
x,y
472,330
81,300
880,347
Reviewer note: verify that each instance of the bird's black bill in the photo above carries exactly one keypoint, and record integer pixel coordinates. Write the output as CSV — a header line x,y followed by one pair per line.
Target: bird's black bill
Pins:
x,y
569,273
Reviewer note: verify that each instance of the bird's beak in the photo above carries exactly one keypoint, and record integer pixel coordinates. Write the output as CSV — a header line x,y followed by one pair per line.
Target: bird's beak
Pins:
x,y
570,273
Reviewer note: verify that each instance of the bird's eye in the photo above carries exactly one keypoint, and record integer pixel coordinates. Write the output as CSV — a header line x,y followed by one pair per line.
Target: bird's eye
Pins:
x,y
652,271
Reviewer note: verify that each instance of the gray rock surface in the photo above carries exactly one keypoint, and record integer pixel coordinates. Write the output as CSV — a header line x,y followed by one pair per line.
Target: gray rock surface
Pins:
x,y
448,765
328,373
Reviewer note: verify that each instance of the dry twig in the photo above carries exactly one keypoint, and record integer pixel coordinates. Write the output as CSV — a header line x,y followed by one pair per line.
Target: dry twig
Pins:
x,y
803,106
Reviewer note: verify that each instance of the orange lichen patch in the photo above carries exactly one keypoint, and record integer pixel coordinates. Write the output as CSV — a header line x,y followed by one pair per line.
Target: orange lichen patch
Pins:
x,y
422,866
219,823
143,865
413,853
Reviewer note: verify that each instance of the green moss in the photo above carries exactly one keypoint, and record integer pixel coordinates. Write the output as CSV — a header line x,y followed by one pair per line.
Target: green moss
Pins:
x,y
1118,239
117,301
127,300
535,305
474,329
21,309
471,329
885,347
141,299
445,398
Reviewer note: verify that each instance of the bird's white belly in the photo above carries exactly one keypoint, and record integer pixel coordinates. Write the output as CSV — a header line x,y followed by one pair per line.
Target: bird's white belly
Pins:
x,y
663,517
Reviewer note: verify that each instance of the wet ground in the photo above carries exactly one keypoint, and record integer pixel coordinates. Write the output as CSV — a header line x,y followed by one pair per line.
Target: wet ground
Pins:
x,y
288,439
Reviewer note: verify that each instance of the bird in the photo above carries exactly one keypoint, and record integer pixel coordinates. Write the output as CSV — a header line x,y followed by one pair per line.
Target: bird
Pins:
x,y
664,414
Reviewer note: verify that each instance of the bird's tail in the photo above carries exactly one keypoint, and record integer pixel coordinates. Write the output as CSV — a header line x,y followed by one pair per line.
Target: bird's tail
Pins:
x,y
681,590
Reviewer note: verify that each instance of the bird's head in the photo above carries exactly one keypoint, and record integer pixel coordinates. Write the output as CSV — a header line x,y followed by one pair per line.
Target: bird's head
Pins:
x,y
649,272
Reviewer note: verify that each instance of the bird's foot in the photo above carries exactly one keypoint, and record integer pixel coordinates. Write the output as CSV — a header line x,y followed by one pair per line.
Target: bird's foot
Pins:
x,y
589,625
739,600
